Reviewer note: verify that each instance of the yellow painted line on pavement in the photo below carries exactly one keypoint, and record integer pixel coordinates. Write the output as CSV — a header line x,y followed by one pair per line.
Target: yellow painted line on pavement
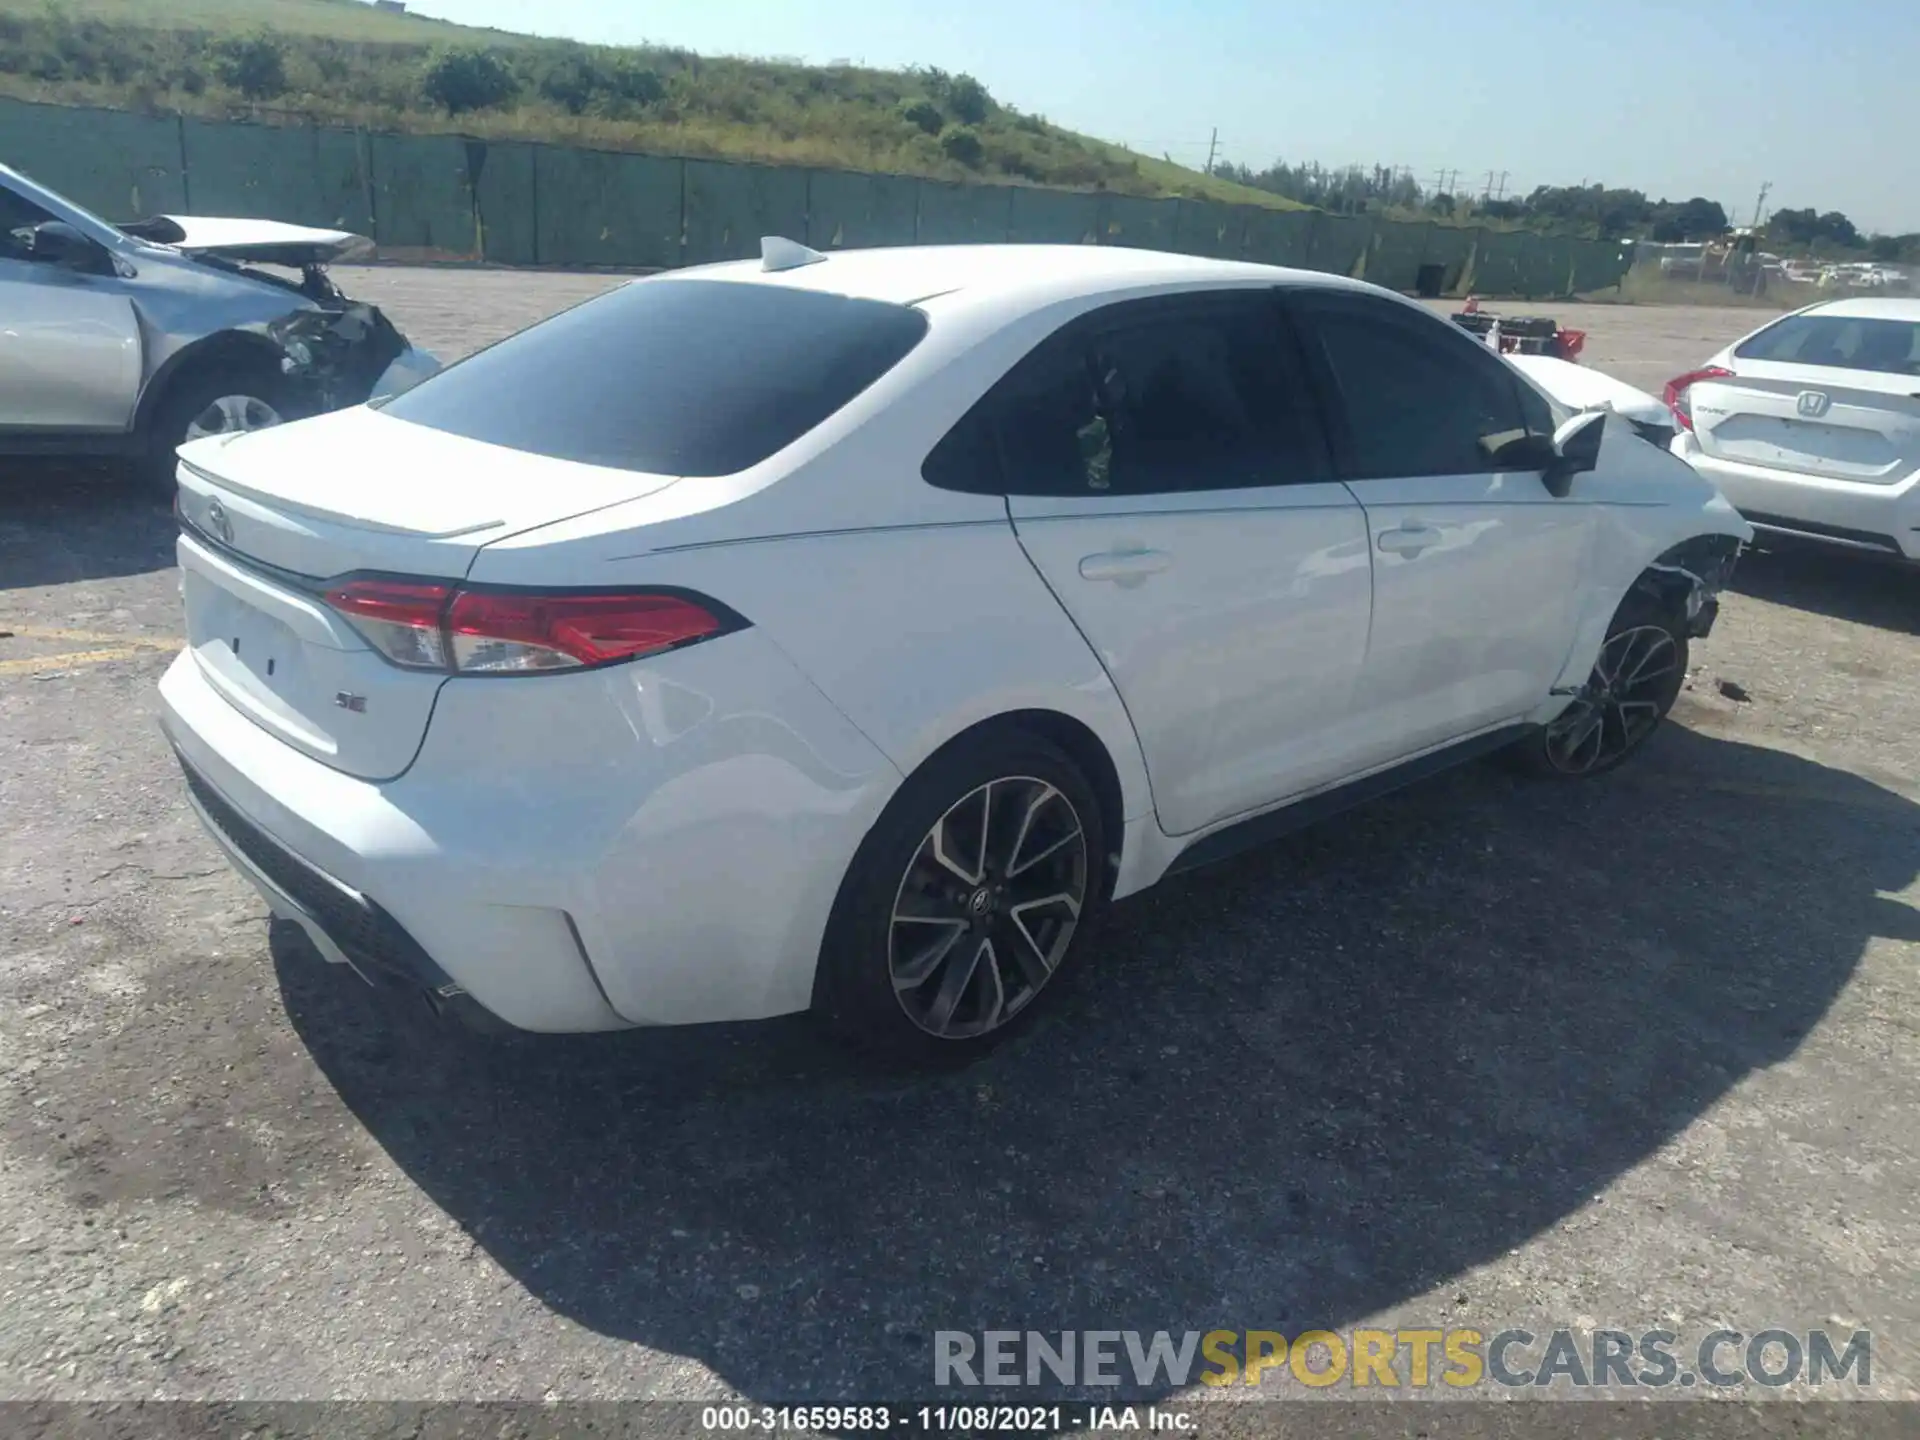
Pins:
x,y
104,647
37,663
91,637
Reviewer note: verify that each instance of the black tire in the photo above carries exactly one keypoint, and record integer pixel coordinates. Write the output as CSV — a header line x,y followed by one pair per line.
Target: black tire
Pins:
x,y
1631,707
854,990
187,399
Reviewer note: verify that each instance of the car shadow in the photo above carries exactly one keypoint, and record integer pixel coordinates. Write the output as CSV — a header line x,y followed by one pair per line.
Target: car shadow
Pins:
x,y
1843,585
1291,1091
65,522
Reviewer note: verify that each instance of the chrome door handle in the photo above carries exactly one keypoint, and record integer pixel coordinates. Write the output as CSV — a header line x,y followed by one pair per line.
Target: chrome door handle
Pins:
x,y
1125,567
1408,540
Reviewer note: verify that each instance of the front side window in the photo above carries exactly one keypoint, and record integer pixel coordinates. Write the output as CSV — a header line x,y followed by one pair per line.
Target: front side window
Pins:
x,y
1845,342
18,216
670,377
1418,398
1143,398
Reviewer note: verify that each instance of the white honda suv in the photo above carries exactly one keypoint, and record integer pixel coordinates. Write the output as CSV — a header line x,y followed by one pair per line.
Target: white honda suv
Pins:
x,y
843,633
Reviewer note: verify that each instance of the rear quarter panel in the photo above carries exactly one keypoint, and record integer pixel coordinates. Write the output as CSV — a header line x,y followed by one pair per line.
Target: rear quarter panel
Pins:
x,y
915,632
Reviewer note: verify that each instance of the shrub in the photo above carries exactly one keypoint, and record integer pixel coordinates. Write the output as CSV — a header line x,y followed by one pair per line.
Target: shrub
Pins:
x,y
583,79
635,84
967,98
570,85
462,80
255,66
962,144
923,114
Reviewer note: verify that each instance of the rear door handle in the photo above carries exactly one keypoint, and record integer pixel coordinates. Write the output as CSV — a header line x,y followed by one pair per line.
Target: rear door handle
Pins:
x,y
1408,540
1124,567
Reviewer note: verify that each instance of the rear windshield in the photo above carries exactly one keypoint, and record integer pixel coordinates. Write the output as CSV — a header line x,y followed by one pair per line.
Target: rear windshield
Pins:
x,y
673,377
1847,342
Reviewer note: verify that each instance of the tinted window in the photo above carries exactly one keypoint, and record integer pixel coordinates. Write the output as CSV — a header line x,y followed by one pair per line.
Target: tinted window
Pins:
x,y
1203,402
676,377
1848,342
1419,397
1053,438
1536,410
1200,396
17,213
967,458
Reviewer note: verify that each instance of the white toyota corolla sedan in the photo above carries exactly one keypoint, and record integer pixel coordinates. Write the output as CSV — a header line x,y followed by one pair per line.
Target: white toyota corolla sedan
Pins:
x,y
1811,424
842,633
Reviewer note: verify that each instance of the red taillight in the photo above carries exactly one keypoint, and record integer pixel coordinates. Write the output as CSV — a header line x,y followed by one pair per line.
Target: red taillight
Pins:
x,y
499,630
400,618
1675,394
422,625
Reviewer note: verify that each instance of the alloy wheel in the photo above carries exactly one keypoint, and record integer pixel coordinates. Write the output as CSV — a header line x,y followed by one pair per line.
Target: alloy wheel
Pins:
x,y
987,907
232,415
1623,700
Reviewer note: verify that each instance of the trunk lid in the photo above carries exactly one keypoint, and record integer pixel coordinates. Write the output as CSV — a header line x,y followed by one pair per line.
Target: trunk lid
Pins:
x,y
275,515
1858,425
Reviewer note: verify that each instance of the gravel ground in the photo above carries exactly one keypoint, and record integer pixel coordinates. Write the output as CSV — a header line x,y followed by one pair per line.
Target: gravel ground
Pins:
x,y
1636,1053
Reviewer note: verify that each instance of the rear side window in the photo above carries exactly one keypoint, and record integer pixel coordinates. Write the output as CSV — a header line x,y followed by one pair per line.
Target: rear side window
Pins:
x,y
1845,342
1419,397
673,377
1144,398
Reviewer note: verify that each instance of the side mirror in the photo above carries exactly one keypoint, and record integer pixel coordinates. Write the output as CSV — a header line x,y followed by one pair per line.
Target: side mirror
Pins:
x,y
58,243
1576,450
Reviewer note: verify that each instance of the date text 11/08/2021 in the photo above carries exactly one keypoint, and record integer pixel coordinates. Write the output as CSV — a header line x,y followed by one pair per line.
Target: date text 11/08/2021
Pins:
x,y
942,1419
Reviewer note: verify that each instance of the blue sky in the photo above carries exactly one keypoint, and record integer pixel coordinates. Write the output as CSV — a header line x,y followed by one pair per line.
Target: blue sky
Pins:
x,y
1674,97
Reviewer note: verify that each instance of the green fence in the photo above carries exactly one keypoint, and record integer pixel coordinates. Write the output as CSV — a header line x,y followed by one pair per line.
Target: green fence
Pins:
x,y
127,166
516,203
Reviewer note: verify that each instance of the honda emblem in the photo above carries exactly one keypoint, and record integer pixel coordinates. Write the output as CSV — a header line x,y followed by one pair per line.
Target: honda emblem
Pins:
x,y
218,522
1813,403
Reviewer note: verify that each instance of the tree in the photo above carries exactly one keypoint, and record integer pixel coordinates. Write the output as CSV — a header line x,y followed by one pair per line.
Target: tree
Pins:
x,y
1839,229
1612,213
1888,249
462,80
1695,219
1804,229
1792,227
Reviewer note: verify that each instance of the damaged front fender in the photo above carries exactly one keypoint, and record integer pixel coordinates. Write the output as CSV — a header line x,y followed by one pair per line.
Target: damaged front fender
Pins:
x,y
335,355
1689,577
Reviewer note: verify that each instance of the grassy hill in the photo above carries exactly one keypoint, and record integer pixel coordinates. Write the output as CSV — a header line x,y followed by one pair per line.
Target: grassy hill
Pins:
x,y
344,62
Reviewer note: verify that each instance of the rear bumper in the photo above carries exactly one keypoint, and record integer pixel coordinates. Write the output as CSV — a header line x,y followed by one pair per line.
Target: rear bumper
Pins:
x,y
1845,513
573,853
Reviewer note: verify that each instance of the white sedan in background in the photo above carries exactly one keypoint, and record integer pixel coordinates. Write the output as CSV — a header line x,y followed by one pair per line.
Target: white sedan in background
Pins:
x,y
1811,424
842,633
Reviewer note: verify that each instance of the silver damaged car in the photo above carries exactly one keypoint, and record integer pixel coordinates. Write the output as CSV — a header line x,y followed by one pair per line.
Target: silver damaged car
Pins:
x,y
126,341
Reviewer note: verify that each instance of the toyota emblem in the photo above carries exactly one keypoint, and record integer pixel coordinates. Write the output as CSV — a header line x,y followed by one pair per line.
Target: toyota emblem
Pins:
x,y
218,522
1813,403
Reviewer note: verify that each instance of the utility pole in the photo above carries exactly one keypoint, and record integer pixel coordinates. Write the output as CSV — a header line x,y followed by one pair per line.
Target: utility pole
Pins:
x,y
1487,194
1211,144
1758,204
1501,192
